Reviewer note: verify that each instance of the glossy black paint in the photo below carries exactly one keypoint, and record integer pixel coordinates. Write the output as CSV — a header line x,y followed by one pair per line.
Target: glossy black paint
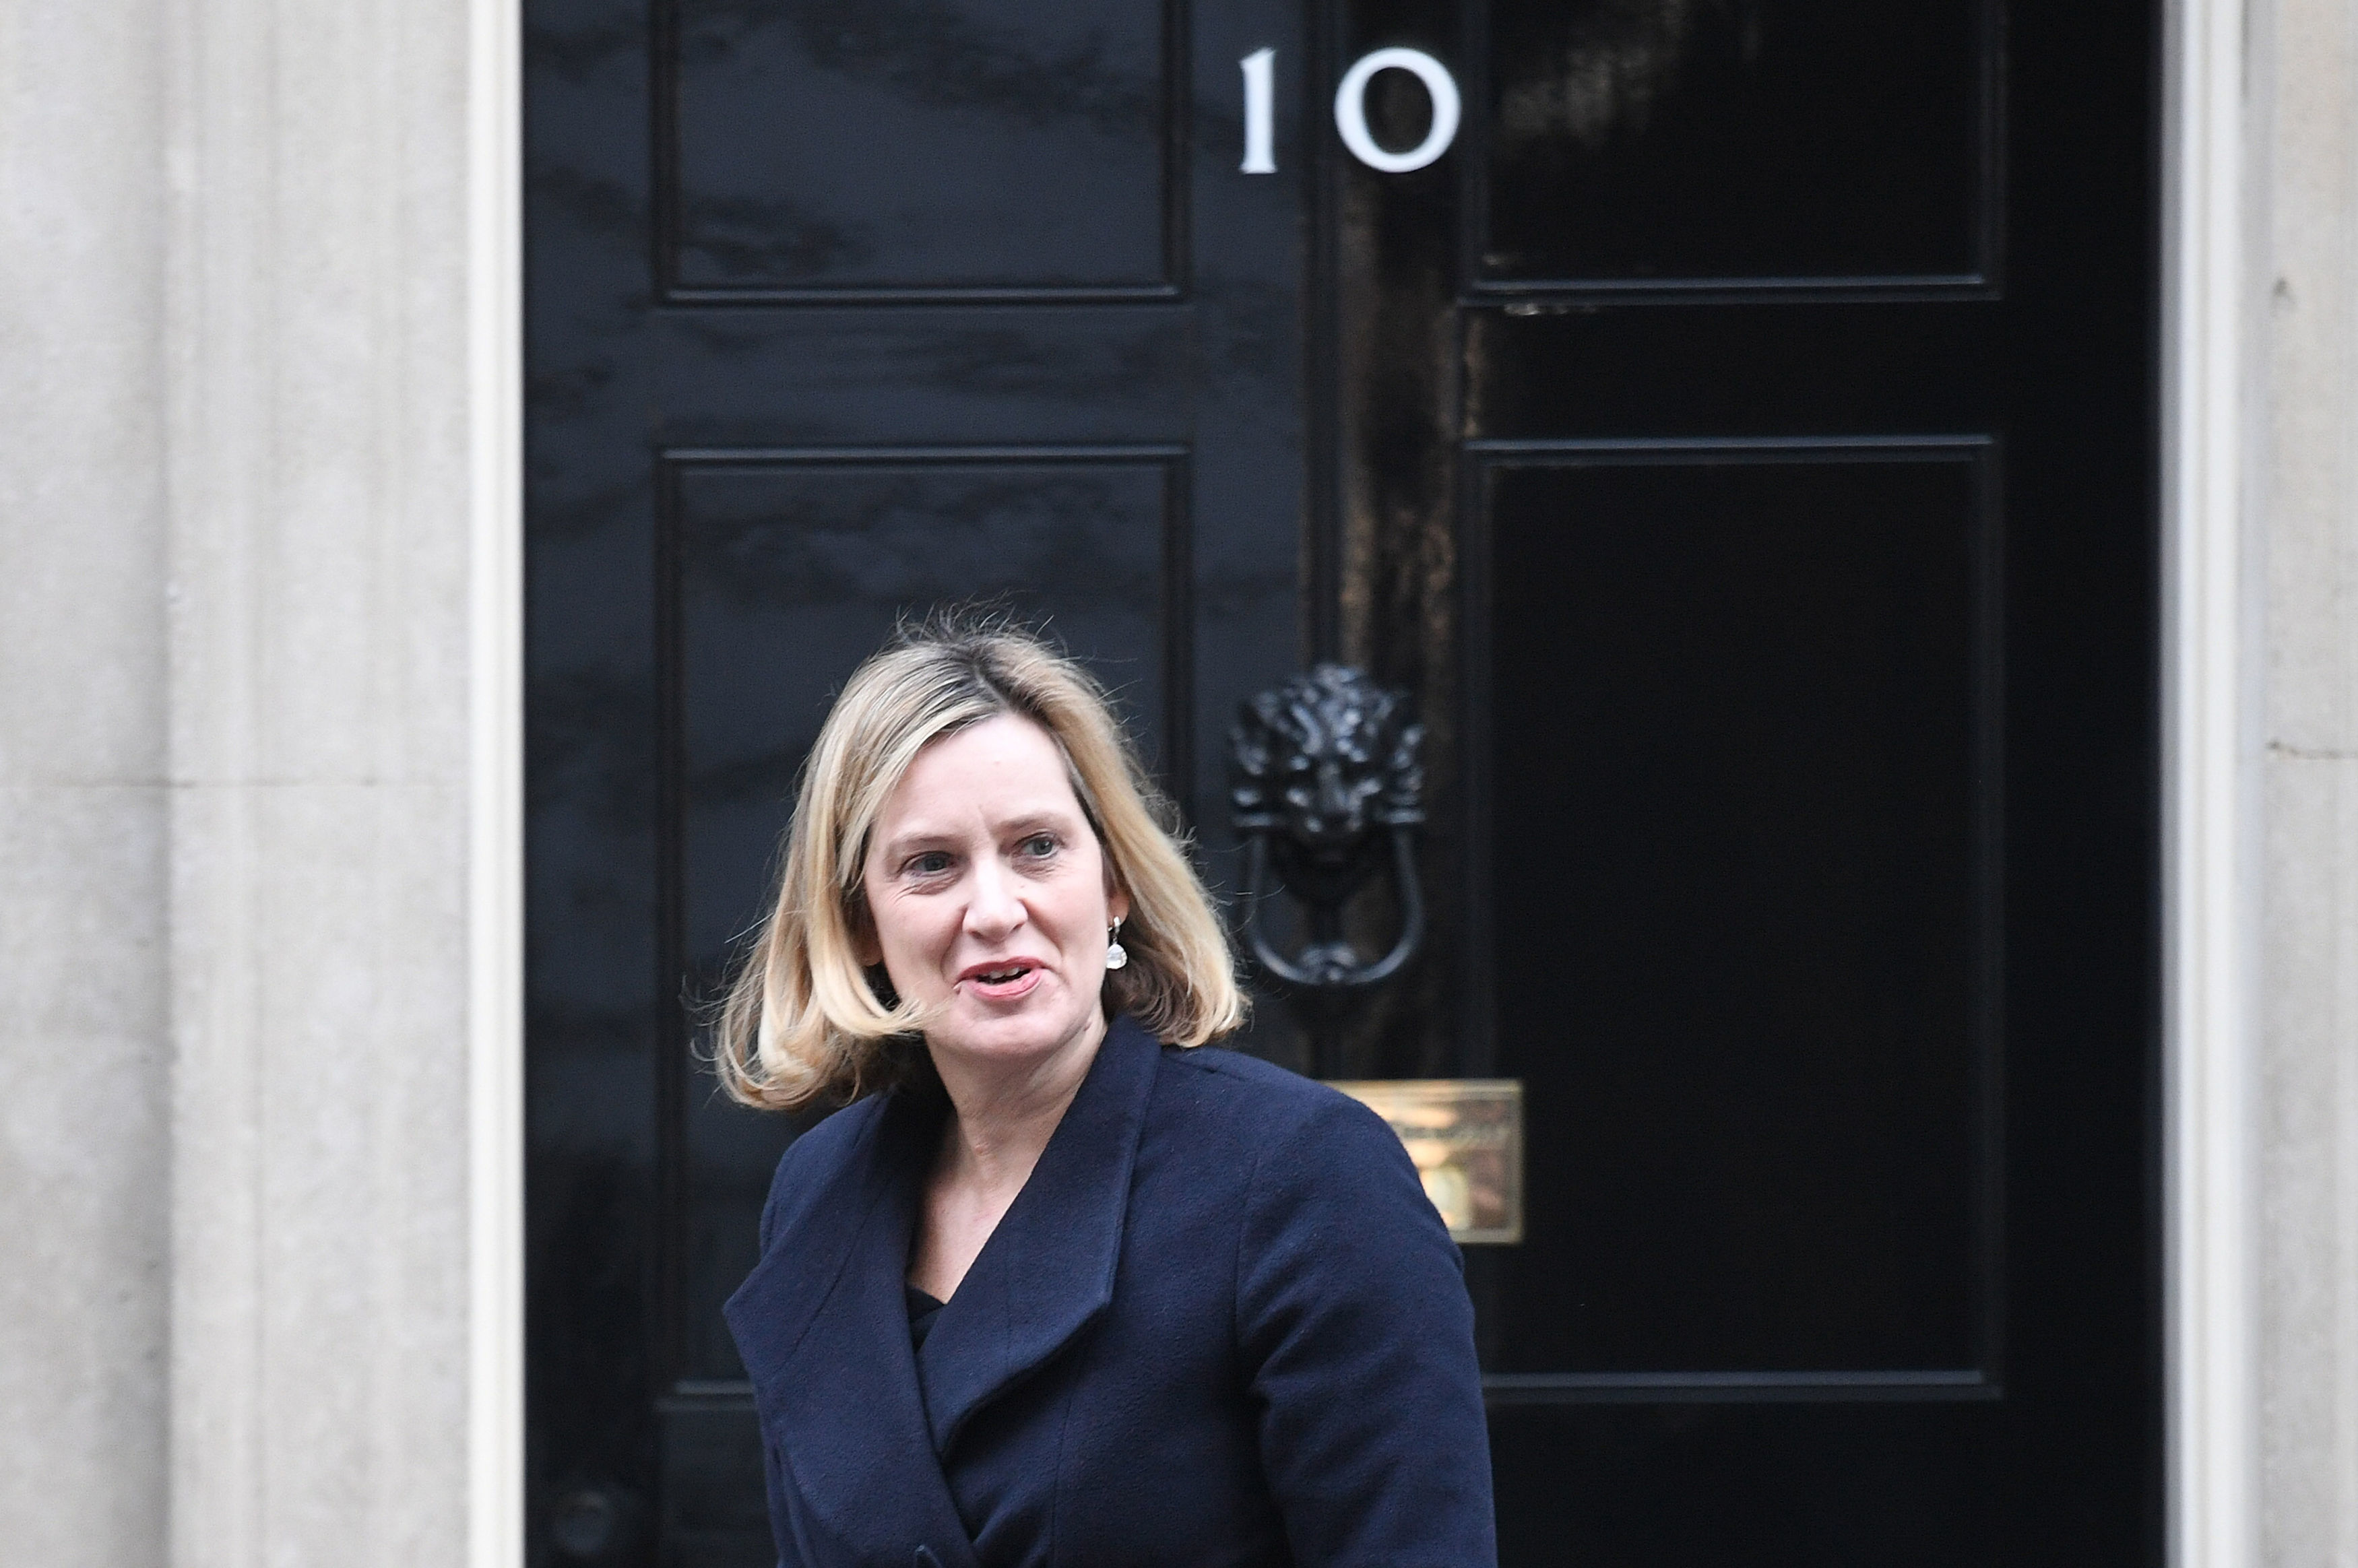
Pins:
x,y
1753,837
828,150
1739,446
1754,145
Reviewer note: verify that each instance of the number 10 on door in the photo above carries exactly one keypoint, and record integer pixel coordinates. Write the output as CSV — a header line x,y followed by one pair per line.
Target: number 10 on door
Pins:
x,y
1260,70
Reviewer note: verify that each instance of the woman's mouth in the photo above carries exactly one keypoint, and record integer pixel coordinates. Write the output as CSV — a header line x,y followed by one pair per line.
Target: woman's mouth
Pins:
x,y
1001,981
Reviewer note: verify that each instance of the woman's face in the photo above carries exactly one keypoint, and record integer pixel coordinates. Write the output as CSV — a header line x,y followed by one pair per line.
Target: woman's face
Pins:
x,y
990,895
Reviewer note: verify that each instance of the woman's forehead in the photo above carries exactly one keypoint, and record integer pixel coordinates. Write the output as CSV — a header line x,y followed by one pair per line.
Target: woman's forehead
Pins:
x,y
1002,769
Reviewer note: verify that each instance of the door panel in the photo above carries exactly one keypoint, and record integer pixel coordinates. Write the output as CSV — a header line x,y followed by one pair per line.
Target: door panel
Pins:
x,y
830,149
1742,829
1689,1480
1768,144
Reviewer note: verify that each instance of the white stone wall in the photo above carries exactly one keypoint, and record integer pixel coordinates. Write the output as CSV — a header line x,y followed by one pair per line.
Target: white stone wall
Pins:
x,y
320,808
85,1156
242,835
2302,557
318,463
340,410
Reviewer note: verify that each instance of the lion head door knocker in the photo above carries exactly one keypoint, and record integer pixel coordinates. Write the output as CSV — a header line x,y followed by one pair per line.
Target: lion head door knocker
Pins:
x,y
1325,787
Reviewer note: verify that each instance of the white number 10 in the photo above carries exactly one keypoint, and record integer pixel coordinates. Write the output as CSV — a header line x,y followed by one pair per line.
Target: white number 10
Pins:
x,y
1350,110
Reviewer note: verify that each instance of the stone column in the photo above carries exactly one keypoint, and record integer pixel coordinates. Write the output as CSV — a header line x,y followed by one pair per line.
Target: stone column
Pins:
x,y
85,1172
2302,549
324,469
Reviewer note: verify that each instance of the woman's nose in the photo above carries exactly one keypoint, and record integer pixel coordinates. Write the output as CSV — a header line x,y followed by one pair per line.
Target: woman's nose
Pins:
x,y
994,909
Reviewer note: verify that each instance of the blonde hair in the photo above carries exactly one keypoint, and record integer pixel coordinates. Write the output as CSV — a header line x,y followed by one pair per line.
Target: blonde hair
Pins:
x,y
802,1021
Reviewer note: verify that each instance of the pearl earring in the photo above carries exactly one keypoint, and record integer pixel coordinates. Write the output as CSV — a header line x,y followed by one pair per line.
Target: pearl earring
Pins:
x,y
1116,955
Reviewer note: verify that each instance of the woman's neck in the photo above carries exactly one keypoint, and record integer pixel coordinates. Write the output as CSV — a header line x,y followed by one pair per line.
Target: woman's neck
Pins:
x,y
1002,1114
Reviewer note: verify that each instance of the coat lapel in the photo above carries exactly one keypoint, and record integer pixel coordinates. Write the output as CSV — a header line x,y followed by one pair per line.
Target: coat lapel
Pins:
x,y
1048,1269
824,1330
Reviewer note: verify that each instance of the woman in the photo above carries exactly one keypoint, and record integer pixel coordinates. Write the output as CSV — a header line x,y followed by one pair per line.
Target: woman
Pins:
x,y
1064,1288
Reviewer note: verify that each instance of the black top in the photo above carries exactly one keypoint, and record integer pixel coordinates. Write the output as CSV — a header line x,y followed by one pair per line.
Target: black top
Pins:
x,y
923,1309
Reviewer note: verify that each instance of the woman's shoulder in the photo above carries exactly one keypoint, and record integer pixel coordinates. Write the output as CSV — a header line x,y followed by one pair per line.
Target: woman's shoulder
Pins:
x,y
1317,1180
1248,1085
1278,1109
820,1151
833,1137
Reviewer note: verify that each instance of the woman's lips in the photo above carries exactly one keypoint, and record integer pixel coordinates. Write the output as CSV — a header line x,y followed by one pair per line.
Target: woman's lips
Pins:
x,y
1000,982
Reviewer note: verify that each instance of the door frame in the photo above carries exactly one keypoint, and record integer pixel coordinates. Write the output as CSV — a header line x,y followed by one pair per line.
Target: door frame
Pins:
x,y
2205,863
495,800
2208,846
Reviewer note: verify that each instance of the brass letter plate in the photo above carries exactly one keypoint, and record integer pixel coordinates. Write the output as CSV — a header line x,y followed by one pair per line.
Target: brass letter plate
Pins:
x,y
1466,1138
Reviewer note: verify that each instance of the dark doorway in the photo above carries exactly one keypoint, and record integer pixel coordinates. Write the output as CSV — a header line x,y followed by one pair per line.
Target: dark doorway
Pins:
x,y
1738,442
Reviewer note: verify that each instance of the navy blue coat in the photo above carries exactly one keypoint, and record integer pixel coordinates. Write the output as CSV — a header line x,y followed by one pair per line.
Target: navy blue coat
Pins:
x,y
1220,1324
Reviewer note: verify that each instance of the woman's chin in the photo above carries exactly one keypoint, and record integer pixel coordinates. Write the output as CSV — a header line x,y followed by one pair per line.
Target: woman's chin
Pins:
x,y
1038,1024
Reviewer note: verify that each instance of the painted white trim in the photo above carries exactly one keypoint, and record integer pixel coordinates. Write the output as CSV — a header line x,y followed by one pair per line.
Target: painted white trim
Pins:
x,y
495,787
2205,799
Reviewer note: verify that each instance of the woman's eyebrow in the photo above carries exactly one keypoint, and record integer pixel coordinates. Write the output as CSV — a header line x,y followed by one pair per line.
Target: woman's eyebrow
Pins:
x,y
917,837
1034,821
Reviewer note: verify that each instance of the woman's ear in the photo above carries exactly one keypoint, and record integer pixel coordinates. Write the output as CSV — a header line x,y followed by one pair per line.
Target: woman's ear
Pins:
x,y
1117,899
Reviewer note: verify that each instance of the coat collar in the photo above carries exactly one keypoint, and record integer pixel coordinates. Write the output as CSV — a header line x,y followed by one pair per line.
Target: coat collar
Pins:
x,y
824,1330
1047,1271
823,1325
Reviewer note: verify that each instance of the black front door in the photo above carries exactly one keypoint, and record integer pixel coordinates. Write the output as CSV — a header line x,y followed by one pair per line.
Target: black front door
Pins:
x,y
1735,436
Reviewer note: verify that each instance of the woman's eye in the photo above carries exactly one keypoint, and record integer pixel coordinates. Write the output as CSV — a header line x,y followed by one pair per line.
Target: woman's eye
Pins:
x,y
1040,846
933,863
